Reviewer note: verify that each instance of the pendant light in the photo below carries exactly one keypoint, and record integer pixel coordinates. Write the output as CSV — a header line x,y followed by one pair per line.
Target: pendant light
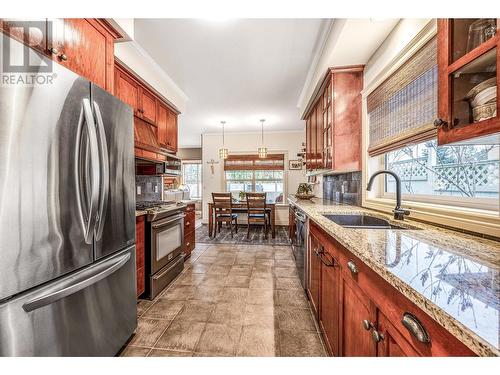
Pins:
x,y
223,152
262,150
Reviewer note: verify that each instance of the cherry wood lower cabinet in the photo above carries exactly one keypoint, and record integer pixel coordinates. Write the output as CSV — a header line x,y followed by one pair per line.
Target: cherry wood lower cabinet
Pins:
x,y
355,309
313,290
330,299
360,314
393,344
189,229
140,246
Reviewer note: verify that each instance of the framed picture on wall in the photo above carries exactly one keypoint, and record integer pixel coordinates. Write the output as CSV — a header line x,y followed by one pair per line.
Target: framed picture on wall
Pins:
x,y
295,164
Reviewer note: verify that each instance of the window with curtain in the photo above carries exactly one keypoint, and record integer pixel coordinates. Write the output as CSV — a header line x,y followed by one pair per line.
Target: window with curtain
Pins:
x,y
401,112
249,173
191,177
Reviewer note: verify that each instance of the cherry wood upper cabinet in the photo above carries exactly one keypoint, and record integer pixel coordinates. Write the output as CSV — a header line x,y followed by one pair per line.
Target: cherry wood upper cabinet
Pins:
x,y
88,50
308,143
83,45
334,120
147,106
127,89
22,31
468,62
155,119
161,121
172,131
167,128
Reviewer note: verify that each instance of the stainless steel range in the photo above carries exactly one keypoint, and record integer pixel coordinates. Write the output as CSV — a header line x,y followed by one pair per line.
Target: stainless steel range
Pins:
x,y
164,243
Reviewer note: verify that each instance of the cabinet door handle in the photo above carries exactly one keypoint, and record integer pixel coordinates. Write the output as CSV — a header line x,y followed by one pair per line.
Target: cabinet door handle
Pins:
x,y
330,263
352,267
377,336
63,57
188,243
53,51
367,324
439,122
413,325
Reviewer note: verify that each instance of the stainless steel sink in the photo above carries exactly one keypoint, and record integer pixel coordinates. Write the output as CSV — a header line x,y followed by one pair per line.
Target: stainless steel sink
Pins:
x,y
362,222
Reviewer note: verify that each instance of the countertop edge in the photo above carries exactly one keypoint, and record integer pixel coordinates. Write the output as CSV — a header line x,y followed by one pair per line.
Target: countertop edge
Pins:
x,y
469,338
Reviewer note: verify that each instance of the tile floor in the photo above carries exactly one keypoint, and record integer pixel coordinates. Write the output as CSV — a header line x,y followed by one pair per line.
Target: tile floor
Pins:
x,y
230,300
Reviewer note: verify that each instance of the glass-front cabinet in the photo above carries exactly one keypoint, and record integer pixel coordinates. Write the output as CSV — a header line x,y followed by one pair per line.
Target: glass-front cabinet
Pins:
x,y
468,56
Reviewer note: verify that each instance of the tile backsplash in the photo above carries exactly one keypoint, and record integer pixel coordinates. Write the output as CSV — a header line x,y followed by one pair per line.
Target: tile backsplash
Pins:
x,y
345,188
148,188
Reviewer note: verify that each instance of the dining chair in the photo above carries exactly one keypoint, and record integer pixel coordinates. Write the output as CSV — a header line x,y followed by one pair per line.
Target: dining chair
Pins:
x,y
256,209
223,209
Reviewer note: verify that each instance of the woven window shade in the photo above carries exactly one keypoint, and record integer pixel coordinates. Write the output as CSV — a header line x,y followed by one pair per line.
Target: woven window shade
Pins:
x,y
275,162
402,109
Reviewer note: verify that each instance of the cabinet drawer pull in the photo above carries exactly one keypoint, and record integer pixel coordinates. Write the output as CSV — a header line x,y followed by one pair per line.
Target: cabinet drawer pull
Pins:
x,y
352,267
53,51
413,325
63,57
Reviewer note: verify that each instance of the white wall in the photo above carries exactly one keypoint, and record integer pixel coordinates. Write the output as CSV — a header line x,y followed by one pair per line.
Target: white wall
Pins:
x,y
289,143
350,41
141,63
396,41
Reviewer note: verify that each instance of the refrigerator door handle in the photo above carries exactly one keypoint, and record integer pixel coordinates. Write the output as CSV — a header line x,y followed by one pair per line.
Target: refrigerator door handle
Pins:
x,y
76,283
104,168
90,221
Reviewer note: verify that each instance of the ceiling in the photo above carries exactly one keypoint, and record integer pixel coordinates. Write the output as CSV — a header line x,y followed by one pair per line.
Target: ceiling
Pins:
x,y
238,70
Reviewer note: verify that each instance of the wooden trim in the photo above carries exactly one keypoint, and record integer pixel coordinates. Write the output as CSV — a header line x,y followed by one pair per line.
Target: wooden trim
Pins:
x,y
105,23
256,157
122,66
251,165
472,55
422,37
444,87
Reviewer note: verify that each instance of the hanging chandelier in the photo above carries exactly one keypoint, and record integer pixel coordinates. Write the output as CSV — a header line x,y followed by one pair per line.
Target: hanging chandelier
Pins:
x,y
223,152
262,151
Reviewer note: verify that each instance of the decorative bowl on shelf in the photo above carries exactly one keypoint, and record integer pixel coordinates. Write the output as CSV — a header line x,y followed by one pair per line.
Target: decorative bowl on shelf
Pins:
x,y
483,97
484,112
304,196
480,87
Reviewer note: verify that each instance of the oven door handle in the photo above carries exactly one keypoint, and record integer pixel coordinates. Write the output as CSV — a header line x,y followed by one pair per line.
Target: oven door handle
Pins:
x,y
162,223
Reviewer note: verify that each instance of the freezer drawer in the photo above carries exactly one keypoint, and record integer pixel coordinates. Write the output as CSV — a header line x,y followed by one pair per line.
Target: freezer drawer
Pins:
x,y
91,312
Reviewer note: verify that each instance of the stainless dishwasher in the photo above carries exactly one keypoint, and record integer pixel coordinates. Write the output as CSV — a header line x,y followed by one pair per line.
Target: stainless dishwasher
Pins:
x,y
299,244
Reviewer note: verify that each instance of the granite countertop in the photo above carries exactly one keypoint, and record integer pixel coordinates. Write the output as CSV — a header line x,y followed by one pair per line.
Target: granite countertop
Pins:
x,y
453,277
140,213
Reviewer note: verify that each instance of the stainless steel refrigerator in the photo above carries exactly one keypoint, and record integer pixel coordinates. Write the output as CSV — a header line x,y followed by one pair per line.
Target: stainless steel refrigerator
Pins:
x,y
67,219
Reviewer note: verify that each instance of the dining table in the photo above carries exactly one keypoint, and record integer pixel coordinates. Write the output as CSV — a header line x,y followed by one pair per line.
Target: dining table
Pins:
x,y
241,207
